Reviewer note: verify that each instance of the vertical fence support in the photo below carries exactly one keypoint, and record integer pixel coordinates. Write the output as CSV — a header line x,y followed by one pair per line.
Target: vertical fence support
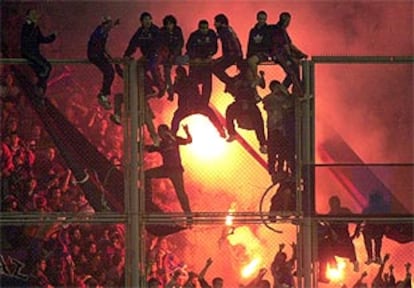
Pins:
x,y
132,254
141,109
306,113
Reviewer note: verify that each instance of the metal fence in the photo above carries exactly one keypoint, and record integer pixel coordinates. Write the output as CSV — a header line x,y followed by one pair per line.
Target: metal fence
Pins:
x,y
228,186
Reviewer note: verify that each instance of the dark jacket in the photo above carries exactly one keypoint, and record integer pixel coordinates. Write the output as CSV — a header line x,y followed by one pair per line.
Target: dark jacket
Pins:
x,y
279,38
188,93
31,38
170,152
173,41
230,44
146,39
201,45
97,42
259,40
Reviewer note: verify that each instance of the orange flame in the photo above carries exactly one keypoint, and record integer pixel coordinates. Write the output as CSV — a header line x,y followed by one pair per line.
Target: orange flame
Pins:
x,y
336,274
251,268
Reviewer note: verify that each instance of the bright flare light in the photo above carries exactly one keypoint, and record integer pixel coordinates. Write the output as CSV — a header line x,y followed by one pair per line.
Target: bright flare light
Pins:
x,y
207,144
336,274
251,268
230,217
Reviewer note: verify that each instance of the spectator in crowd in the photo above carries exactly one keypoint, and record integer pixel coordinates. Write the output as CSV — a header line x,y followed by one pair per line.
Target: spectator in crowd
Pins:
x,y
197,280
406,282
258,281
359,283
218,282
178,280
379,281
153,283
39,278
282,268
99,55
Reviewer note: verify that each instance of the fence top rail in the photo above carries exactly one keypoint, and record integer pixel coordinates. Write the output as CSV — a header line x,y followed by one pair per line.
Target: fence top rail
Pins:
x,y
59,61
315,59
363,59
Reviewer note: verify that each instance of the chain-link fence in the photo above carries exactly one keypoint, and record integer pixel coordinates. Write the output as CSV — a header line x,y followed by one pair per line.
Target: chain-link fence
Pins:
x,y
237,217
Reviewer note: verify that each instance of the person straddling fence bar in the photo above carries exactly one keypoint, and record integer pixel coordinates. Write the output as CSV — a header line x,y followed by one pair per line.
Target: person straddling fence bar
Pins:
x,y
147,38
171,45
286,54
230,46
201,47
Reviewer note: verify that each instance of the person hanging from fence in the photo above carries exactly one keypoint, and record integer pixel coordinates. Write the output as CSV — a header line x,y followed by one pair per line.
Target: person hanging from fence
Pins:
x,y
99,55
244,109
147,38
258,46
230,47
191,102
277,104
342,240
286,54
171,167
373,232
171,45
285,198
31,38
201,47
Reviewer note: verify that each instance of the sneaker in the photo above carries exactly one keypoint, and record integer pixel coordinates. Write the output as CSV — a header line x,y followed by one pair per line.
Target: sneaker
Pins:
x,y
104,101
116,119
231,138
263,149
